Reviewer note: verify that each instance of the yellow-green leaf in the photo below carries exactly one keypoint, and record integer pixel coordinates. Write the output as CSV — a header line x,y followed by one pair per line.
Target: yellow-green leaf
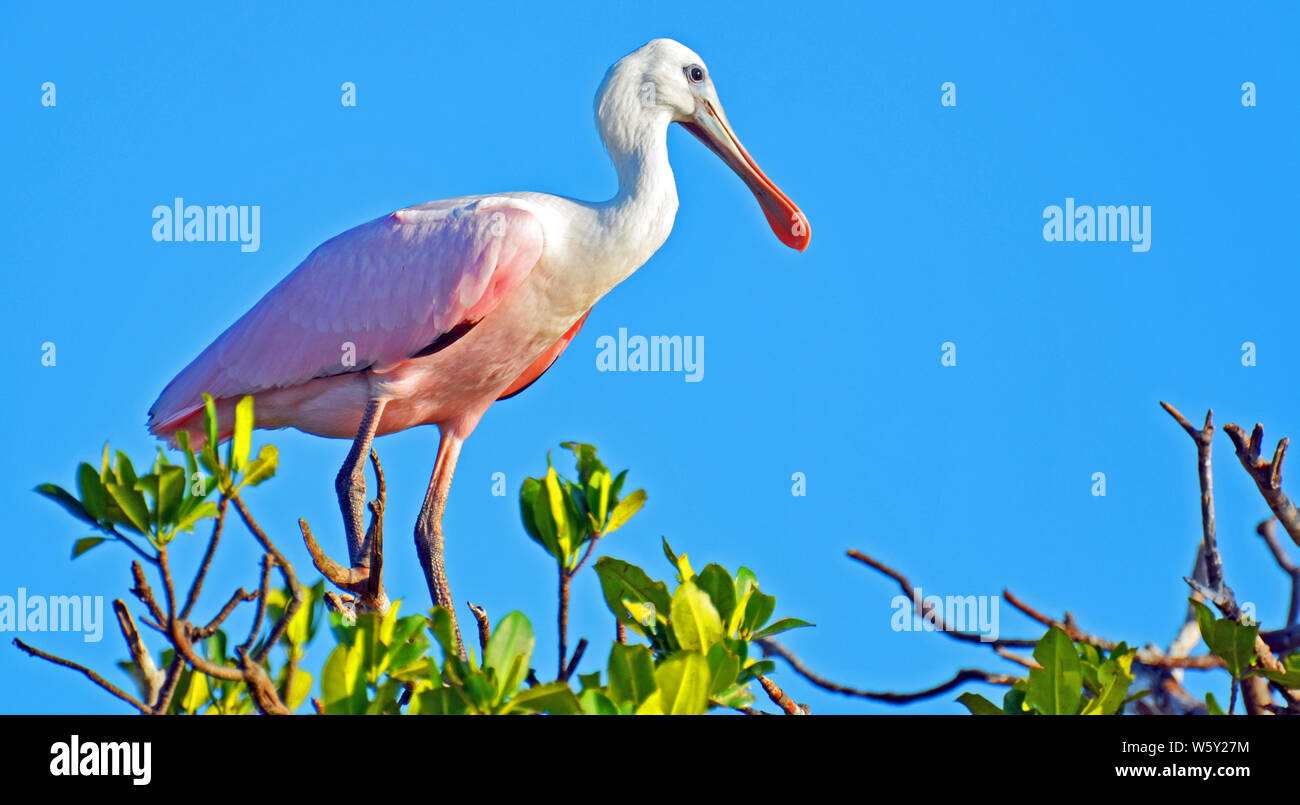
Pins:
x,y
695,620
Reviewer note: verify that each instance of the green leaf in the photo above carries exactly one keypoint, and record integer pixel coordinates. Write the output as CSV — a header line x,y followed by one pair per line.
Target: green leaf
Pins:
x,y
528,497
597,496
171,492
508,651
1289,677
442,631
756,669
1013,703
299,688
1057,687
91,490
620,580
631,674
183,442
210,421
197,693
757,611
979,706
343,686
556,698
782,625
543,518
724,667
745,581
1212,705
441,702
595,703
585,456
695,620
716,581
126,475
262,467
683,681
552,505
617,486
1113,678
86,543
242,439
668,552
1232,642
737,695
201,511
70,504
626,507
132,504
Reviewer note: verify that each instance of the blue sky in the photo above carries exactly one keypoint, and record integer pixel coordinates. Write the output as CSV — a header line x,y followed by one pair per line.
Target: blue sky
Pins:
x,y
927,228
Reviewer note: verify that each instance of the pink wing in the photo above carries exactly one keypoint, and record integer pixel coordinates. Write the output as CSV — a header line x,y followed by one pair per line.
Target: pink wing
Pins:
x,y
389,287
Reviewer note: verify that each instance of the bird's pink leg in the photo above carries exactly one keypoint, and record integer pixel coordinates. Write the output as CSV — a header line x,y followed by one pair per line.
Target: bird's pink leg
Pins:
x,y
351,483
428,528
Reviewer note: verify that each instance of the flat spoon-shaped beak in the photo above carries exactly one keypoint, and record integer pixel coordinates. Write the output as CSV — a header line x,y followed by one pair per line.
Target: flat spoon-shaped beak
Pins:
x,y
710,125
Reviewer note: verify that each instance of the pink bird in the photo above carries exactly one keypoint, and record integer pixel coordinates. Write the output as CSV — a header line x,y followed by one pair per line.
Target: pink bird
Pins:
x,y
432,313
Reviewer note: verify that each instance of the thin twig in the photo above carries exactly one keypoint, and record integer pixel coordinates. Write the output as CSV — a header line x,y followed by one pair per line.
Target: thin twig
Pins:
x,y
206,564
577,658
1268,530
780,699
1267,475
1204,440
562,620
263,596
484,626
773,648
164,702
1144,656
296,595
144,593
238,597
927,612
89,674
151,678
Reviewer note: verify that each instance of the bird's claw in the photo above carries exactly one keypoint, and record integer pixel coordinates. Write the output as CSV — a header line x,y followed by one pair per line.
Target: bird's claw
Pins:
x,y
364,580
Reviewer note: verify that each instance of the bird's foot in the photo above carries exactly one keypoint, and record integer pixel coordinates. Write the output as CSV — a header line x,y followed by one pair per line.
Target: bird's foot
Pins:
x,y
363,581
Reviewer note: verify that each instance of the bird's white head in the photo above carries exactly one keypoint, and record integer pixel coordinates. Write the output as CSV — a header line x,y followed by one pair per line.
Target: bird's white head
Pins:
x,y
664,81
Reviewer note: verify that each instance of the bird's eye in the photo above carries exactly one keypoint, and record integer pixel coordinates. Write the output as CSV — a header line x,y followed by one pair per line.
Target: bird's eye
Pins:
x,y
695,73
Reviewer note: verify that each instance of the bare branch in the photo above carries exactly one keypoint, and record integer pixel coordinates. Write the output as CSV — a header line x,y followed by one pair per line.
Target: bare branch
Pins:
x,y
213,625
929,613
1267,475
1204,439
164,701
778,697
484,626
296,595
206,564
144,593
152,679
773,648
1268,530
263,596
577,657
89,674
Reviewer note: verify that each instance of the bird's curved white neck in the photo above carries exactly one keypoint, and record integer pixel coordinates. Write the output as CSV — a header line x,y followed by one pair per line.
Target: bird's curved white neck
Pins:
x,y
637,220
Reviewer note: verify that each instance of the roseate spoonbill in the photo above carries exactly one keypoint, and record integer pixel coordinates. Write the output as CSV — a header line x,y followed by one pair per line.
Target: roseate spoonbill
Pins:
x,y
432,313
